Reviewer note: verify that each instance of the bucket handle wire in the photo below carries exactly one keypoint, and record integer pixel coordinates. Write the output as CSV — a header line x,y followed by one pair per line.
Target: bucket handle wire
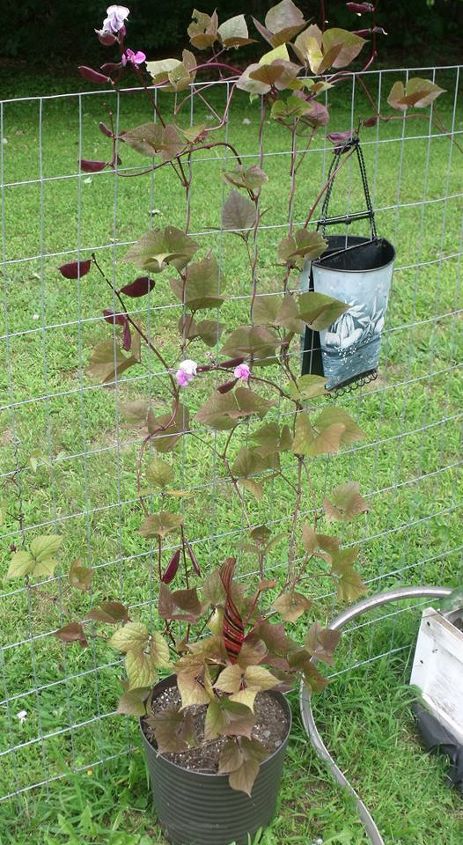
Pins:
x,y
325,220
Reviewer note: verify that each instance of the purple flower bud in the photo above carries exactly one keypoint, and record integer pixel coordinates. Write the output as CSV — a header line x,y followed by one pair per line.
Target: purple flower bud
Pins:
x,y
89,166
75,269
93,75
172,568
360,8
140,287
105,130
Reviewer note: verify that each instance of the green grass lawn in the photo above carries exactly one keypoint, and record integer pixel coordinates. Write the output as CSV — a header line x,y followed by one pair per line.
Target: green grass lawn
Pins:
x,y
83,486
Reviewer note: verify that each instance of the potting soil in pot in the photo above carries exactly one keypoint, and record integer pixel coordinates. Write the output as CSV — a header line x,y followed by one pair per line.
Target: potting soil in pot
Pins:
x,y
270,729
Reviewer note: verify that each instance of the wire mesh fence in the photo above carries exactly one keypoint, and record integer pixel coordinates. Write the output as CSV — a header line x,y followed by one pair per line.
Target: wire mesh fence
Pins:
x,y
68,454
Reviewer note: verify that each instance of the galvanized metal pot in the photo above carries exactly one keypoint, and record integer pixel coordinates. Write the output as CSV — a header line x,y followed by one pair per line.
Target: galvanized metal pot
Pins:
x,y
201,809
358,271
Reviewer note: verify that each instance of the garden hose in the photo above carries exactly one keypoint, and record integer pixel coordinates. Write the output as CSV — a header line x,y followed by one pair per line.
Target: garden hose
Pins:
x,y
305,695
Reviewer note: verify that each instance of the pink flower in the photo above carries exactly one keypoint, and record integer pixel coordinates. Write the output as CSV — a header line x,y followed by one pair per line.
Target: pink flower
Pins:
x,y
186,372
129,57
114,20
242,372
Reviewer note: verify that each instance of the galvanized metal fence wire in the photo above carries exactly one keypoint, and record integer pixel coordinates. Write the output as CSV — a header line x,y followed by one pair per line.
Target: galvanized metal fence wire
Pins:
x,y
67,454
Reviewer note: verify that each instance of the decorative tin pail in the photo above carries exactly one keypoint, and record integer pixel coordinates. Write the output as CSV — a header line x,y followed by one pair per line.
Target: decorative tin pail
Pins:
x,y
358,271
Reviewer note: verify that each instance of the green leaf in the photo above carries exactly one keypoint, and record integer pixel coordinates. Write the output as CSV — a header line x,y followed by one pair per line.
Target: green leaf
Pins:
x,y
243,778
304,435
22,563
345,503
301,661
230,679
307,387
203,30
191,691
321,642
158,248
350,586
132,636
231,757
251,462
417,92
320,311
234,32
173,74
208,330
72,633
140,668
259,342
215,721
174,730
295,249
270,438
45,546
160,524
282,23
110,612
108,362
341,46
202,286
167,429
159,473
133,702
292,605
337,416
239,214
145,139
80,576
222,410
259,678
183,605
253,487
135,411
320,545
251,179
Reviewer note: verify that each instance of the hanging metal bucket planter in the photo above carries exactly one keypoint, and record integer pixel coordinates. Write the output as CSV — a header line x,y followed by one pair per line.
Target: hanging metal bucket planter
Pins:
x,y
358,271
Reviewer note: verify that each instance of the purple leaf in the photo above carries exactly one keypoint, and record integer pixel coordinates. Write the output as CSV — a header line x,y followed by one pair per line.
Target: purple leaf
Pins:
x,y
371,121
171,570
360,8
233,625
89,166
93,75
105,130
75,269
140,287
126,338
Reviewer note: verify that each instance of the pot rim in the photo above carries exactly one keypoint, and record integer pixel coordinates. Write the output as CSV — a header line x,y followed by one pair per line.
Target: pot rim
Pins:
x,y
279,695
319,262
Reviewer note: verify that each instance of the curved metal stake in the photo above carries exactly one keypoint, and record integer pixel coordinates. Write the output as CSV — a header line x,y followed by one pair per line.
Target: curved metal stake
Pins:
x,y
305,694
